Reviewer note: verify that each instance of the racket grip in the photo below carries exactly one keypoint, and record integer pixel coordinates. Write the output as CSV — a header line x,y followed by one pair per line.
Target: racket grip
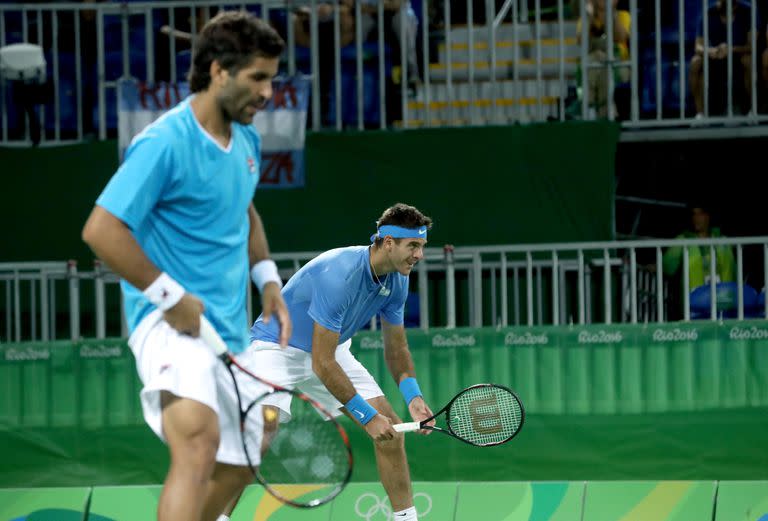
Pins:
x,y
209,335
407,427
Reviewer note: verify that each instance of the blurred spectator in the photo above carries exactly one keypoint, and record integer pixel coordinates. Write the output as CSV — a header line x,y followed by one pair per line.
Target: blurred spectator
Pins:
x,y
597,77
403,30
301,19
717,51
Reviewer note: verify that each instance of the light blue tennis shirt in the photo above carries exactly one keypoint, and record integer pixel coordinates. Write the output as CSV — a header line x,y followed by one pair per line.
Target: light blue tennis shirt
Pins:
x,y
337,290
185,199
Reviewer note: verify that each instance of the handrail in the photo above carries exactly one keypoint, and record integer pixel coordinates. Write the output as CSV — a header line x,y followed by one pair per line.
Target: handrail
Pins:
x,y
499,285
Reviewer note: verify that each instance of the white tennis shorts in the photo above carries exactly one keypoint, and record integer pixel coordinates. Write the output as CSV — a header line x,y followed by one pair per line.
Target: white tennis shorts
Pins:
x,y
185,366
292,368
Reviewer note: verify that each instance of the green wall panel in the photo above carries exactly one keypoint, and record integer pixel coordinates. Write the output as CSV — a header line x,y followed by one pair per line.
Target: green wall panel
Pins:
x,y
480,185
534,501
433,502
124,503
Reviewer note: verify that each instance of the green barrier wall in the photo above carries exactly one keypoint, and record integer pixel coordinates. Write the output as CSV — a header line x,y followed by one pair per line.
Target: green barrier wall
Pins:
x,y
680,401
482,185
552,501
643,501
498,501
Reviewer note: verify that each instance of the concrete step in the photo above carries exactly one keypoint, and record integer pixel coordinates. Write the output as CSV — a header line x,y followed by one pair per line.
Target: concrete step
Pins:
x,y
522,31
550,69
485,89
505,112
506,50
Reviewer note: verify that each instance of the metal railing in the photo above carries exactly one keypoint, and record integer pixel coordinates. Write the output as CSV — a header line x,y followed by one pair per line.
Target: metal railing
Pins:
x,y
512,285
514,64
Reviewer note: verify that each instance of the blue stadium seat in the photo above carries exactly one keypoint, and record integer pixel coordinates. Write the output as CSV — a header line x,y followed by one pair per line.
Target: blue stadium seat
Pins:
x,y
670,84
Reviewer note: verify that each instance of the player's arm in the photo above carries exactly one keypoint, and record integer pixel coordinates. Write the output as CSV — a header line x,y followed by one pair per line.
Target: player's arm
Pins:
x,y
328,370
112,241
400,363
265,276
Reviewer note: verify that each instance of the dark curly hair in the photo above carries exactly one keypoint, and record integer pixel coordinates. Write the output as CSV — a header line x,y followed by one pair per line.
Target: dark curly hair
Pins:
x,y
233,38
403,215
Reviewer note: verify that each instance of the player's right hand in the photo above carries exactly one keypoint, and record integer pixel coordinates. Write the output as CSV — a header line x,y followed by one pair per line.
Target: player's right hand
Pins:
x,y
184,317
380,428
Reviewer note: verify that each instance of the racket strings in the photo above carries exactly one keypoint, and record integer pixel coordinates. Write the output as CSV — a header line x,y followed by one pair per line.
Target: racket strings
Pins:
x,y
485,415
306,449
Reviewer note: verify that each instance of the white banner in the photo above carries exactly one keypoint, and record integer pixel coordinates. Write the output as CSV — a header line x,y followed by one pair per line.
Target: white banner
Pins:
x,y
281,124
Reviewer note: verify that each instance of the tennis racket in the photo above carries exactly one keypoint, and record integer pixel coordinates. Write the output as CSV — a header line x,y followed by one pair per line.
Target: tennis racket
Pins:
x,y
482,415
304,459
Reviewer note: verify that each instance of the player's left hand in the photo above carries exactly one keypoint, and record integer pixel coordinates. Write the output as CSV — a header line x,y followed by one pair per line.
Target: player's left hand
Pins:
x,y
272,303
420,411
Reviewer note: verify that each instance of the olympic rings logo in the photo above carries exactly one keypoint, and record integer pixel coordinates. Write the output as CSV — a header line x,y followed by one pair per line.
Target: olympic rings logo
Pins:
x,y
369,504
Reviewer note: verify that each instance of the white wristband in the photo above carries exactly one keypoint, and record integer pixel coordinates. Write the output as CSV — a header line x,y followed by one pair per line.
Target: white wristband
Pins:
x,y
265,271
164,292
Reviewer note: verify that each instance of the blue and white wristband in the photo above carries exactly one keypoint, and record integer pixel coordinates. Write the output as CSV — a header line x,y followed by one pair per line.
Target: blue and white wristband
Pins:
x,y
360,409
409,387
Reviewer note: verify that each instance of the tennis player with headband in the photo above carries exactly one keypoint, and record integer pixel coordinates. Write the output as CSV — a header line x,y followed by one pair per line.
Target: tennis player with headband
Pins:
x,y
329,300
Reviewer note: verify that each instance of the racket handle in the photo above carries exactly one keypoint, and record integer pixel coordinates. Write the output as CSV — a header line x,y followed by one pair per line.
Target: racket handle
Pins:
x,y
211,337
407,427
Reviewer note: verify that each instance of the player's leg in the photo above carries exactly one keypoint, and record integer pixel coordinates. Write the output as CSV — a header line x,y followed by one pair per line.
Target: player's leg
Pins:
x,y
392,464
224,490
243,476
191,430
390,456
230,507
182,403
274,363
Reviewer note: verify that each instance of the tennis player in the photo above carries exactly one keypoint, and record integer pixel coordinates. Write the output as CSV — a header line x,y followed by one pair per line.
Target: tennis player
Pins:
x,y
329,300
176,222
